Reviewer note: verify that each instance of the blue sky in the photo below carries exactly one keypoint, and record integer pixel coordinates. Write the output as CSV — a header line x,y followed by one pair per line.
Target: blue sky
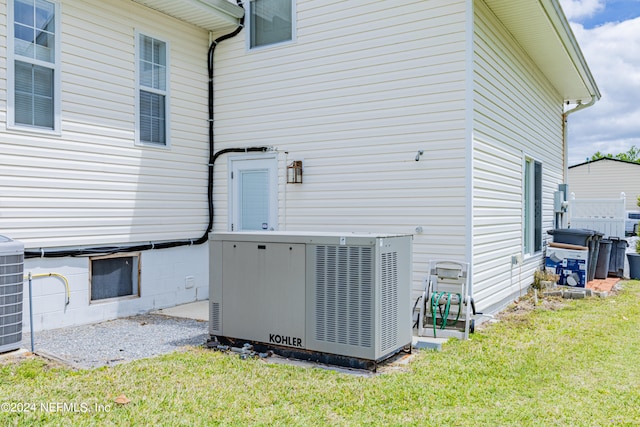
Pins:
x,y
611,11
608,32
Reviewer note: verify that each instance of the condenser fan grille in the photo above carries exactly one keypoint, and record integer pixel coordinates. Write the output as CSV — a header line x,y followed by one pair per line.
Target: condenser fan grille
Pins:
x,y
11,287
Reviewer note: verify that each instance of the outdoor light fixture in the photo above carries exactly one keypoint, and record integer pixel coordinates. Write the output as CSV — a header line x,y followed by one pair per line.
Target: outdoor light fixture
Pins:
x,y
420,153
294,172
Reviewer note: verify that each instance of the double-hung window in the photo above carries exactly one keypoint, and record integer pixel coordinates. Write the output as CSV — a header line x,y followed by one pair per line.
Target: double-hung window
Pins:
x,y
270,22
153,88
532,206
33,65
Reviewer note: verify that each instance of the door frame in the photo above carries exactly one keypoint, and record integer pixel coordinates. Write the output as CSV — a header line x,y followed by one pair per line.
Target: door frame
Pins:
x,y
239,161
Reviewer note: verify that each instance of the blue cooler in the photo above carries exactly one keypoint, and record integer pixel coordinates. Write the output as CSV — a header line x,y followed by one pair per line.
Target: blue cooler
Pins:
x,y
571,265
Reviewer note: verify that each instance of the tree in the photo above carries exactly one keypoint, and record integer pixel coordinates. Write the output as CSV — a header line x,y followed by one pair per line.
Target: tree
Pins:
x,y
631,155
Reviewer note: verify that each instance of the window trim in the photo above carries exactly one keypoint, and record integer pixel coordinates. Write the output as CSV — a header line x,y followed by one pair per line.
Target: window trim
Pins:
x,y
10,82
272,45
135,294
532,192
167,92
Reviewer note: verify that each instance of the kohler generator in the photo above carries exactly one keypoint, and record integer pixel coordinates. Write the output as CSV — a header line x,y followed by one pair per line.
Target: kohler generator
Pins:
x,y
336,298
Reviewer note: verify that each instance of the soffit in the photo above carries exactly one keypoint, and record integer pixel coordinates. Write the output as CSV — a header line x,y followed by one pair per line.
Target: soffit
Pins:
x,y
541,29
212,15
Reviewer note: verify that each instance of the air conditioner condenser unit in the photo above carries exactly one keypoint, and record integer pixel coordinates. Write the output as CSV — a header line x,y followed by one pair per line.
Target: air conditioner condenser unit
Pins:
x,y
11,284
337,298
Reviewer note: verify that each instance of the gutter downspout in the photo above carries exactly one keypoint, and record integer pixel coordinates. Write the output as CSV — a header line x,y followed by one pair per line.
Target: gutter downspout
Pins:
x,y
565,132
212,154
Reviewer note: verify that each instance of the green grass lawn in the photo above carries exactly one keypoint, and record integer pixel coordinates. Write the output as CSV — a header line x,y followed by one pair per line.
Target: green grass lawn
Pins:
x,y
575,365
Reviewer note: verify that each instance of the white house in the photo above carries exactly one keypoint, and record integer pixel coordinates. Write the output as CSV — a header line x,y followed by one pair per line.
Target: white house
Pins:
x,y
606,179
440,118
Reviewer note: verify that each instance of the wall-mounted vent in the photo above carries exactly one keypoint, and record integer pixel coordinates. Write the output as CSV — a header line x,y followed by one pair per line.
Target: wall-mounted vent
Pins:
x,y
214,316
11,286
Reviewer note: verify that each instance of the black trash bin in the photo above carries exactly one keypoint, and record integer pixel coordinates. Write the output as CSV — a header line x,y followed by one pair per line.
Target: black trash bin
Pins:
x,y
594,251
572,236
616,261
604,256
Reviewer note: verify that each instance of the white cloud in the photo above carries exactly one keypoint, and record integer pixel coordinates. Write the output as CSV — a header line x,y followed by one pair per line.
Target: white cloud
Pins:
x,y
612,125
578,9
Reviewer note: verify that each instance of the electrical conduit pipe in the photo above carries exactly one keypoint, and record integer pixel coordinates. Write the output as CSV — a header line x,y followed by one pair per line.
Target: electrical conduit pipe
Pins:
x,y
94,250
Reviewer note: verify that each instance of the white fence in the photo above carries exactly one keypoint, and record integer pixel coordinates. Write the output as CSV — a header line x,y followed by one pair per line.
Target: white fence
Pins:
x,y
603,215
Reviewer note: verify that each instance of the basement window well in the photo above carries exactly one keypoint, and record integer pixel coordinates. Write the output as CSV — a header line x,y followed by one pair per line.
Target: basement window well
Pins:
x,y
114,276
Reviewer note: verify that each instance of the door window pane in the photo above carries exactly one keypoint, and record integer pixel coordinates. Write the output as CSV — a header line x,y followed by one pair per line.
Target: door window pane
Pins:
x,y
254,199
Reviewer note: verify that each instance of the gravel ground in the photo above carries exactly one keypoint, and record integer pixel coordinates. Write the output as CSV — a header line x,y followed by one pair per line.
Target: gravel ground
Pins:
x,y
118,341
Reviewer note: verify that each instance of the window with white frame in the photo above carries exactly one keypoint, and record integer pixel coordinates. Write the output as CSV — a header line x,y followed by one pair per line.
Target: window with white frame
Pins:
x,y
152,91
33,64
270,22
532,206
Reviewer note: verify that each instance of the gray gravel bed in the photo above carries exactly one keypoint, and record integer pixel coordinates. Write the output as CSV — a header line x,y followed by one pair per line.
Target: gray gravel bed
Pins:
x,y
118,341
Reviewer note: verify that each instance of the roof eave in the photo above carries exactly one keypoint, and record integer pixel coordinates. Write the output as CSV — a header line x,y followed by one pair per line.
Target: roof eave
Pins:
x,y
603,159
212,15
540,28
565,33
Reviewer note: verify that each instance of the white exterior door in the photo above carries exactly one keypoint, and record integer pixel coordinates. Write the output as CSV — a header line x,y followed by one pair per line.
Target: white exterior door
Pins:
x,y
254,194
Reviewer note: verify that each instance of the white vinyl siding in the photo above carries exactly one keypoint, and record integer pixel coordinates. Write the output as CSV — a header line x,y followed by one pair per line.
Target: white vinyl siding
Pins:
x,y
93,185
366,85
516,114
33,65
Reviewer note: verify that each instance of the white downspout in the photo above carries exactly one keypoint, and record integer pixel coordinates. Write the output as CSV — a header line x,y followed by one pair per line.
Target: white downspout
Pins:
x,y
565,133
